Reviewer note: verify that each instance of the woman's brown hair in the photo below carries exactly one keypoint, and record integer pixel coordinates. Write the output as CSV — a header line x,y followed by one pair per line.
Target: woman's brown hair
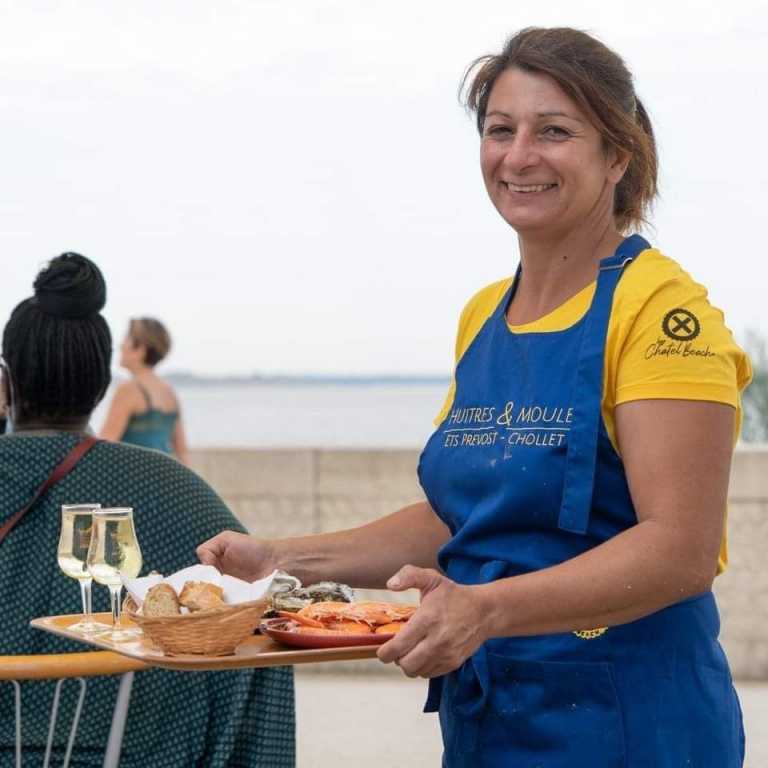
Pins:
x,y
599,82
153,336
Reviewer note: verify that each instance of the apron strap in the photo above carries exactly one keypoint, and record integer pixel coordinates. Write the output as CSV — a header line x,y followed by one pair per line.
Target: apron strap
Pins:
x,y
509,294
581,453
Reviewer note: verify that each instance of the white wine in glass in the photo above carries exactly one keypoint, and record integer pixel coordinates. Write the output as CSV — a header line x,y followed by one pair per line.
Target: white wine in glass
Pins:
x,y
113,553
74,540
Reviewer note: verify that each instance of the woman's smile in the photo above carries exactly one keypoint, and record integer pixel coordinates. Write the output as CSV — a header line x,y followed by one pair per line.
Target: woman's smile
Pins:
x,y
526,189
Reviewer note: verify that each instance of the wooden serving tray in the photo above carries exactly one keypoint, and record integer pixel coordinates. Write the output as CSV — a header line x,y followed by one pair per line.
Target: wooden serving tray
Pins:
x,y
256,651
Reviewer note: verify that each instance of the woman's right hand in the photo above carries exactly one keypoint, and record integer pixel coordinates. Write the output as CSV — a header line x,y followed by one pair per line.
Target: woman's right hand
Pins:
x,y
238,554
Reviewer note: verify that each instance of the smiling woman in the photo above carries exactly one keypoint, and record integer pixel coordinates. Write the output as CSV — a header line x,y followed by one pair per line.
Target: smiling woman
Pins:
x,y
576,483
579,90
543,162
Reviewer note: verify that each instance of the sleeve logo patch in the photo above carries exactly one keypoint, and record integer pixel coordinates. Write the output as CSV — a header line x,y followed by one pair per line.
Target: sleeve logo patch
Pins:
x,y
681,325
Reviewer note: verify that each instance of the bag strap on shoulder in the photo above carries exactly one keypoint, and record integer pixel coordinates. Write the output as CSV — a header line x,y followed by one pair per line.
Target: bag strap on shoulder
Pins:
x,y
64,467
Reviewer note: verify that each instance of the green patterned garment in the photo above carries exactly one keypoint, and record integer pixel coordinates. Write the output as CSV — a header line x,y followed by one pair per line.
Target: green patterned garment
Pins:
x,y
176,719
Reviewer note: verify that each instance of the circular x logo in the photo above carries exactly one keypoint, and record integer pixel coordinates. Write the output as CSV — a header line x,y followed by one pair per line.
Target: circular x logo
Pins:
x,y
681,325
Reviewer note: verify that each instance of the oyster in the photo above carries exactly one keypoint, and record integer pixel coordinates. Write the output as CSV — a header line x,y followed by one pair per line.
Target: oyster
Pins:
x,y
329,591
283,582
288,601
295,599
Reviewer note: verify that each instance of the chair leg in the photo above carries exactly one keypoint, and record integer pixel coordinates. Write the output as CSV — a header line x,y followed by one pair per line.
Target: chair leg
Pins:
x,y
115,741
17,696
52,723
73,727
75,723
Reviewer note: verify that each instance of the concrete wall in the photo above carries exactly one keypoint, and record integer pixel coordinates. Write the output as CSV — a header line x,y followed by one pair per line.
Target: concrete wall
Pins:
x,y
280,493
742,591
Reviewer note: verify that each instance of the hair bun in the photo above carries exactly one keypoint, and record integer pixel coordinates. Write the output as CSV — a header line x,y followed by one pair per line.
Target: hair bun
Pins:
x,y
71,286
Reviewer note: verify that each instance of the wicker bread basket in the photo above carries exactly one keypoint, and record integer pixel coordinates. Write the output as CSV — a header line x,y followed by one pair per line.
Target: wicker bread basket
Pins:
x,y
216,632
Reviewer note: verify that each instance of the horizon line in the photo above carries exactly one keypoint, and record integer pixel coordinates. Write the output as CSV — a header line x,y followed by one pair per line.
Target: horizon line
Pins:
x,y
253,377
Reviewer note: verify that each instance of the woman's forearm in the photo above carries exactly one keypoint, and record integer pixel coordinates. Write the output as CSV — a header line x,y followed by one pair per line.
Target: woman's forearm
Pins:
x,y
644,569
368,555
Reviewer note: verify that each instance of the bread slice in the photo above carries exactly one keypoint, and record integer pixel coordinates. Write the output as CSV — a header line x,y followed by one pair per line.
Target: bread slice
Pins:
x,y
161,600
201,596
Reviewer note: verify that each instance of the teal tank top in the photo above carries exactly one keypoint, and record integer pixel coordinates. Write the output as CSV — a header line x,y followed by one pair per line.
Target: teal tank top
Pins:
x,y
151,429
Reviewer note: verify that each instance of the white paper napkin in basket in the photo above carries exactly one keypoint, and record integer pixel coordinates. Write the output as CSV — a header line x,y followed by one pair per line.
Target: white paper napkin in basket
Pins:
x,y
235,590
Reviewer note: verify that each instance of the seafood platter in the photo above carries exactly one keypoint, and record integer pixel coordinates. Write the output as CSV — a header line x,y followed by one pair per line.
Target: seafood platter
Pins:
x,y
201,619
334,623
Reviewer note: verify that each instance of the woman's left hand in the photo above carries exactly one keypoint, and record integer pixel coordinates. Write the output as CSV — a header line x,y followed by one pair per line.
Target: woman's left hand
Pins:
x,y
447,629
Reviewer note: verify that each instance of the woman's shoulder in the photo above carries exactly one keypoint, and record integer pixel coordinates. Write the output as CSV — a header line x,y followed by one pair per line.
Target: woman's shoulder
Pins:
x,y
477,310
128,389
28,458
163,394
172,395
665,328
129,397
146,462
485,301
148,471
656,289
653,272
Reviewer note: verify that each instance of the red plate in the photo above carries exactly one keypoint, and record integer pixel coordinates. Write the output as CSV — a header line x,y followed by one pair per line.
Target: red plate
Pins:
x,y
278,629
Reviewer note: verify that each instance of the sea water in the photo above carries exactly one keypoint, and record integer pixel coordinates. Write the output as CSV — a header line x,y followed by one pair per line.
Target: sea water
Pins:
x,y
366,415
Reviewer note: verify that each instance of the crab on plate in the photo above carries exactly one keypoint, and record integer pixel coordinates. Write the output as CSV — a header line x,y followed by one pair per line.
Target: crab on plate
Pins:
x,y
362,618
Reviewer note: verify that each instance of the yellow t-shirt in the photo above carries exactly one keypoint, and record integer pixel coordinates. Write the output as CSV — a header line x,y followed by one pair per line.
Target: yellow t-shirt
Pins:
x,y
664,341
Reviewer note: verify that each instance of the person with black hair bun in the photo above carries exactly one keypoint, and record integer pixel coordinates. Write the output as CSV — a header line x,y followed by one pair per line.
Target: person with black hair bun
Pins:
x,y
145,409
56,349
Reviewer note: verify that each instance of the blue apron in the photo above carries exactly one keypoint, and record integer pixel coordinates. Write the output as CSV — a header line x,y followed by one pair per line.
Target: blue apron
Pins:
x,y
523,473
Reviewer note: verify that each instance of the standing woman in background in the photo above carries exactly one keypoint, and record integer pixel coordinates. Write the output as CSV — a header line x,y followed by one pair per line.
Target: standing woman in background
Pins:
x,y
145,410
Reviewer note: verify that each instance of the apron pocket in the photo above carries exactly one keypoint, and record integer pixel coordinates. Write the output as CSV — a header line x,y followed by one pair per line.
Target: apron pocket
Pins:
x,y
699,717
553,714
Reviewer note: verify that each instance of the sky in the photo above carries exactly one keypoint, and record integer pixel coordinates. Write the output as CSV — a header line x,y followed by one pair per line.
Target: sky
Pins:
x,y
293,187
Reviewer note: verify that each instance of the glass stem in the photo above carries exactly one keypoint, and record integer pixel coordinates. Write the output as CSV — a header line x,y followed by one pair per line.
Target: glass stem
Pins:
x,y
114,598
85,594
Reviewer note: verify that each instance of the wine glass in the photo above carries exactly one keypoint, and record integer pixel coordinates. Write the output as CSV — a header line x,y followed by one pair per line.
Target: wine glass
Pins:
x,y
74,540
113,553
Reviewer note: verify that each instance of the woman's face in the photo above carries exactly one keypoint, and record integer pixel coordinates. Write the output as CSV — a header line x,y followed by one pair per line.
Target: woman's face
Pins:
x,y
543,162
131,353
